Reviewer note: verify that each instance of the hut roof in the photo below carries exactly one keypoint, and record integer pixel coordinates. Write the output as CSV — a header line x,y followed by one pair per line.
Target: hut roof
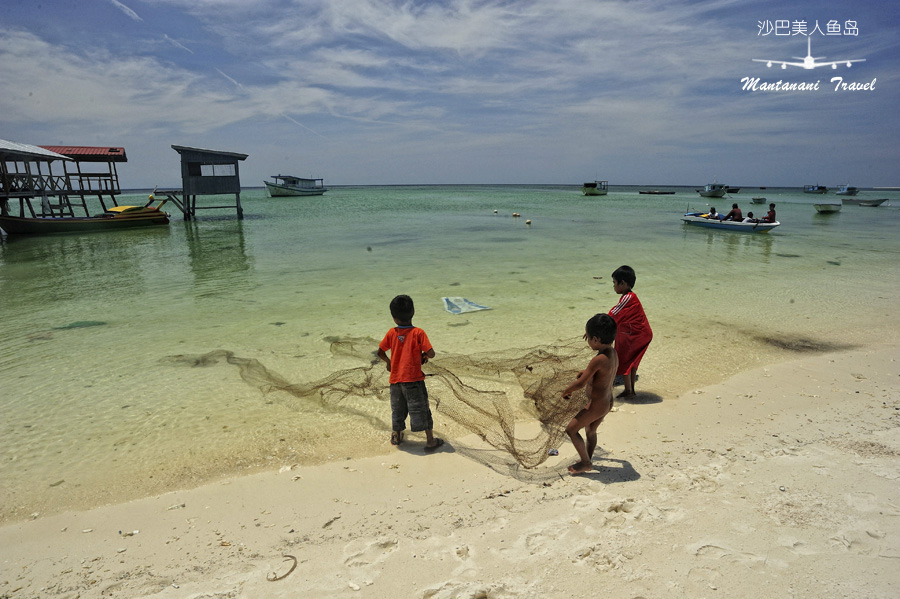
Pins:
x,y
90,153
14,151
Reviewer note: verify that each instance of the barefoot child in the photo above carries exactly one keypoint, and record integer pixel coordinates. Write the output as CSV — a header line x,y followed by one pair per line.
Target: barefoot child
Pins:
x,y
410,348
597,380
634,333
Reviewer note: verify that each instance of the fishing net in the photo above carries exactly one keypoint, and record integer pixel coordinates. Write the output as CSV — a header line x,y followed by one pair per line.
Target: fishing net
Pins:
x,y
486,394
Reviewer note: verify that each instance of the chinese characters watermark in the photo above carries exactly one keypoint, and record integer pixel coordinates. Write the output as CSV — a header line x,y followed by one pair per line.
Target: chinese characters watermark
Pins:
x,y
787,27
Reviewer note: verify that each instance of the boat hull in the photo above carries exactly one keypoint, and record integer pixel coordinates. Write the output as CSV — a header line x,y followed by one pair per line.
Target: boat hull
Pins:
x,y
16,225
758,200
277,191
727,225
827,208
863,201
848,191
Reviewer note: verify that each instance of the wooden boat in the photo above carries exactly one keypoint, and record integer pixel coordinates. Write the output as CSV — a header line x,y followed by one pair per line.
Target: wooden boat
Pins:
x,y
828,208
699,219
288,185
863,201
117,217
656,192
847,190
729,189
713,190
758,200
815,189
595,188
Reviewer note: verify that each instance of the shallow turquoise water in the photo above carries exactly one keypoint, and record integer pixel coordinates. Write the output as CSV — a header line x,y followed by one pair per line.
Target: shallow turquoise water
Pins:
x,y
91,395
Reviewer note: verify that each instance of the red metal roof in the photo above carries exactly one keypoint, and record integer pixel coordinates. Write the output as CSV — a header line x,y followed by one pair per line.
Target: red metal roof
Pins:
x,y
90,153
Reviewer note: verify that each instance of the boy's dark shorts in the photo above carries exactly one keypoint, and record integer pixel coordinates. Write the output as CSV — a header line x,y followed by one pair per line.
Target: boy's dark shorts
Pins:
x,y
410,399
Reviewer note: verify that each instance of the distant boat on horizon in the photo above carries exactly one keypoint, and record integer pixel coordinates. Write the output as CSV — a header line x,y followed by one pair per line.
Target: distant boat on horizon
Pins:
x,y
595,188
289,185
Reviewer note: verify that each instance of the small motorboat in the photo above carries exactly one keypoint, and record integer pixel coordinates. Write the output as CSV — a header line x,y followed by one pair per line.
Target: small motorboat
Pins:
x,y
758,200
713,190
289,185
847,190
595,188
699,219
815,189
828,208
873,203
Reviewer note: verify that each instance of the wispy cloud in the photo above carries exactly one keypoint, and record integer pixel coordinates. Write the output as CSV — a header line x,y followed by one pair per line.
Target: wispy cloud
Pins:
x,y
131,14
569,83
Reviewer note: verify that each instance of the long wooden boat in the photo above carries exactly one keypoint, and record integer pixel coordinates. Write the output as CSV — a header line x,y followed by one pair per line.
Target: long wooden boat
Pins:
x,y
863,201
595,188
758,200
288,185
118,217
700,220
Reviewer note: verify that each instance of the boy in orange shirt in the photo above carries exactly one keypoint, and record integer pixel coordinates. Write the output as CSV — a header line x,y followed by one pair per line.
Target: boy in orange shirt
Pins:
x,y
410,348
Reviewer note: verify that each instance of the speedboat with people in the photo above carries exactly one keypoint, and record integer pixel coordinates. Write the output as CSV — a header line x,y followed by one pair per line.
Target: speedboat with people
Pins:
x,y
702,219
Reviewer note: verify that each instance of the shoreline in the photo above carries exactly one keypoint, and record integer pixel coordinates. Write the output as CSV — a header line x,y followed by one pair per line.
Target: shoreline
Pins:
x,y
780,479
64,493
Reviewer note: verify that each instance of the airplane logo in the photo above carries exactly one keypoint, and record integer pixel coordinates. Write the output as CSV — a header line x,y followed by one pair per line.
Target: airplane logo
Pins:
x,y
809,61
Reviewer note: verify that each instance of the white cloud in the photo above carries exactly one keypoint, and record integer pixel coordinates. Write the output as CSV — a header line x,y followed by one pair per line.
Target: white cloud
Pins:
x,y
131,14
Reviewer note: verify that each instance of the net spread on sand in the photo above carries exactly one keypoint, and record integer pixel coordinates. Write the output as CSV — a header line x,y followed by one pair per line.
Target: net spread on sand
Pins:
x,y
484,393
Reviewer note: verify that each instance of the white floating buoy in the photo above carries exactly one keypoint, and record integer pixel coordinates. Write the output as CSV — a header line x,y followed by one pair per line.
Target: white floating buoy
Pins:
x,y
528,222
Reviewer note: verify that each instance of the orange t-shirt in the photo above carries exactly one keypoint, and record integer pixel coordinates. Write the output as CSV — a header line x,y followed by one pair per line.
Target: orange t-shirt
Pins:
x,y
406,345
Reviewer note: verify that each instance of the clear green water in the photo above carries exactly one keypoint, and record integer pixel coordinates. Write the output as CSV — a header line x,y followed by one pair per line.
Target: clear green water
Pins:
x,y
90,395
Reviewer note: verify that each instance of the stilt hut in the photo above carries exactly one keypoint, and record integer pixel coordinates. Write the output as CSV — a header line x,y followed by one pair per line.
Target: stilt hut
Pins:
x,y
205,173
26,174
87,177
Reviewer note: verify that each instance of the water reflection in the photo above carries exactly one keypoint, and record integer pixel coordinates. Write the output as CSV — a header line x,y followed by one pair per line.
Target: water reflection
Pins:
x,y
218,256
732,247
55,268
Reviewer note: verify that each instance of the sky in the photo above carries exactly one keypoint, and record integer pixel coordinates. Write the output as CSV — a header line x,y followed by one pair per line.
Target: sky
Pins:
x,y
381,92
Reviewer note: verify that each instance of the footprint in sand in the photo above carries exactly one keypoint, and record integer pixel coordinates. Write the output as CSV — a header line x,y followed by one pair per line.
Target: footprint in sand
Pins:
x,y
718,551
367,552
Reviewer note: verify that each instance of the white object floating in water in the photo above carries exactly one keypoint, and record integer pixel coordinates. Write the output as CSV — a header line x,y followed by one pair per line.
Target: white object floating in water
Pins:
x,y
458,305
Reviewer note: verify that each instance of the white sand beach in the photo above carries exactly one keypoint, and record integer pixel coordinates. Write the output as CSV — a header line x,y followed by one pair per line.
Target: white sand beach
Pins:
x,y
779,482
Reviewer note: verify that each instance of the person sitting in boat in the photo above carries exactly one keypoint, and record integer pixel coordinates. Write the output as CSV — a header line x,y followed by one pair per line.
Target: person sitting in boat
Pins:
x,y
770,215
749,218
735,214
713,214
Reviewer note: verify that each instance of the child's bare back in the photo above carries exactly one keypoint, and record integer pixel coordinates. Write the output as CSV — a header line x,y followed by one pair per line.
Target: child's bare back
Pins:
x,y
597,382
599,389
